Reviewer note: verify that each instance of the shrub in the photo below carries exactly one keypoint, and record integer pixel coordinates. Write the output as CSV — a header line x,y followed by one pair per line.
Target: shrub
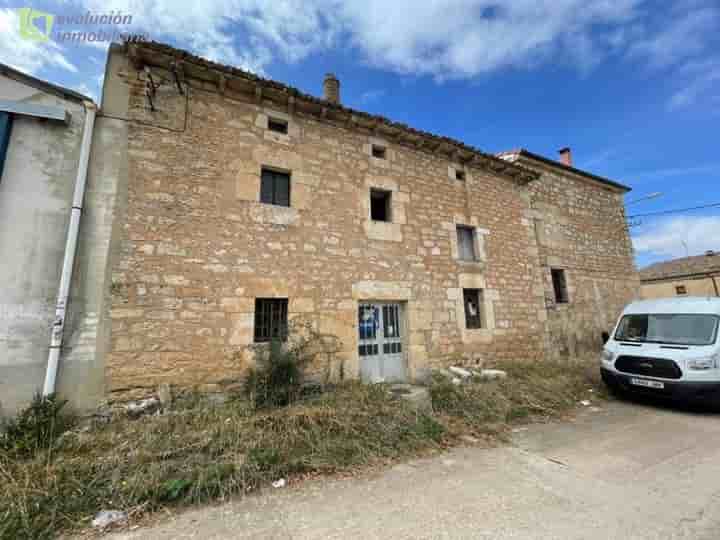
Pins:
x,y
278,379
36,427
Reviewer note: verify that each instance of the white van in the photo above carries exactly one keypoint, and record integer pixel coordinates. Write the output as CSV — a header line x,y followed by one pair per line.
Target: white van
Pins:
x,y
666,347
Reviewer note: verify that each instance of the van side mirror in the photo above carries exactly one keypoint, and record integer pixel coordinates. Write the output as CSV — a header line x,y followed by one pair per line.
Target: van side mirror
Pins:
x,y
605,337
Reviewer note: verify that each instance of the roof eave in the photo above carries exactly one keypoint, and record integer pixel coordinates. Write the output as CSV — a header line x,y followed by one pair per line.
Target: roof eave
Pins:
x,y
621,188
228,77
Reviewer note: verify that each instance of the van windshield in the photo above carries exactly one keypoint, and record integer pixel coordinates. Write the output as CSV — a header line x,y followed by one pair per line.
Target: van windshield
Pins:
x,y
678,329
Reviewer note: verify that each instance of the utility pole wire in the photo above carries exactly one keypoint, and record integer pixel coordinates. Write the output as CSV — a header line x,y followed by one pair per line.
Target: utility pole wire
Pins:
x,y
675,211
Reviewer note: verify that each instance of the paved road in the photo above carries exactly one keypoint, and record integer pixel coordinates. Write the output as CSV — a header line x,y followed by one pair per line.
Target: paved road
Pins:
x,y
621,471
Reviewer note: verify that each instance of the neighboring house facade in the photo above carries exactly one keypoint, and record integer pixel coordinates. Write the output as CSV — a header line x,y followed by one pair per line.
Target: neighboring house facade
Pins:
x,y
248,205
41,135
688,276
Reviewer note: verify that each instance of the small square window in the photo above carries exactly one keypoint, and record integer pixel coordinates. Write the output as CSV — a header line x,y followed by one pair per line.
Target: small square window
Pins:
x,y
680,290
271,319
459,175
466,243
559,285
378,151
472,298
277,124
380,205
275,187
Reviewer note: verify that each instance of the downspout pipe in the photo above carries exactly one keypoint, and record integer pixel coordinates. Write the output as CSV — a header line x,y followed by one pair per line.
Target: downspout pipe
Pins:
x,y
58,328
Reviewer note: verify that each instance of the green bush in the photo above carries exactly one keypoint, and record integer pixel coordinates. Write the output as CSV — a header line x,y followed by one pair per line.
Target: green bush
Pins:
x,y
36,427
277,381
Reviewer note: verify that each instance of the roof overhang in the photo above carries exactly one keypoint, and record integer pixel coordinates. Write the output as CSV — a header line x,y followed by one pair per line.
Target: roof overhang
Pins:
x,y
518,155
228,80
37,111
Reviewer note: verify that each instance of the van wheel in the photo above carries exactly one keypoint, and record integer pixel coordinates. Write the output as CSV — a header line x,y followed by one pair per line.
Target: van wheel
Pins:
x,y
615,390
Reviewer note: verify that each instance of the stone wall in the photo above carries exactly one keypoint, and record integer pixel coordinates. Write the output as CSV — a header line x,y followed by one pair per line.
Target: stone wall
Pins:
x,y
196,247
580,228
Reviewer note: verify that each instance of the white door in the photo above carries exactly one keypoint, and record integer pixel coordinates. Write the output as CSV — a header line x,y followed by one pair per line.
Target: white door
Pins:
x,y
380,338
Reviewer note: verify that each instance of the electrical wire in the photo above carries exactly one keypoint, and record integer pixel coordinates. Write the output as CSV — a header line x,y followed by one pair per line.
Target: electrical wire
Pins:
x,y
675,211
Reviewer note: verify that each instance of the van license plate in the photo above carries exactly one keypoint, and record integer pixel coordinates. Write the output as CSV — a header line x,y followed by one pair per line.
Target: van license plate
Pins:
x,y
646,383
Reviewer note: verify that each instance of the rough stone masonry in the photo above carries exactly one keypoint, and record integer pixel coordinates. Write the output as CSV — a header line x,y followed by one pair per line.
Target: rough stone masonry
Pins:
x,y
193,247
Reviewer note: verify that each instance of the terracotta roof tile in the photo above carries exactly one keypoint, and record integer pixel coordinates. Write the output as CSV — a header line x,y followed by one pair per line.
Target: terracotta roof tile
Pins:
x,y
686,266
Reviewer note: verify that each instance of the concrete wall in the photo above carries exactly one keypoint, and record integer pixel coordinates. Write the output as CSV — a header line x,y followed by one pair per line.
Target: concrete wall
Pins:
x,y
700,286
580,228
35,199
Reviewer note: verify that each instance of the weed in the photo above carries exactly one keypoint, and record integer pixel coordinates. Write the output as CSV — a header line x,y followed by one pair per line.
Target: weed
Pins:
x,y
202,453
36,427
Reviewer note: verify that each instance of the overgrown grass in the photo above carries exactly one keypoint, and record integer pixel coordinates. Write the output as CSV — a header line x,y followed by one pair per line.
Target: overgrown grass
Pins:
x,y
531,391
208,452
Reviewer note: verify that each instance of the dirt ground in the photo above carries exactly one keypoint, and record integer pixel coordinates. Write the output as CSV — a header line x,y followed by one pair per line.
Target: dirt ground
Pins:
x,y
618,470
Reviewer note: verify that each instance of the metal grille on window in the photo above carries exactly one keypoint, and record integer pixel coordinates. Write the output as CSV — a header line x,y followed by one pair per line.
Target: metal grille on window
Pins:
x,y
368,323
391,327
275,188
473,310
270,319
466,243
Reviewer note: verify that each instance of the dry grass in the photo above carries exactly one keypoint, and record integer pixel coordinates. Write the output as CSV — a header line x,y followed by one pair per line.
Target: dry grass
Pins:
x,y
207,452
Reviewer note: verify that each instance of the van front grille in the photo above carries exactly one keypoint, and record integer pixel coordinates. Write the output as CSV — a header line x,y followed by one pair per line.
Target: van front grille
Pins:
x,y
650,367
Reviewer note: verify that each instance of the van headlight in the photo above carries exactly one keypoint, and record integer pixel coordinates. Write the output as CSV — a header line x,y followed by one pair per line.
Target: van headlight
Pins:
x,y
606,357
701,364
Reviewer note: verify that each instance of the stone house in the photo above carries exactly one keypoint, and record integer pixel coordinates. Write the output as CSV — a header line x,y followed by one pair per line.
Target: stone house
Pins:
x,y
241,206
698,275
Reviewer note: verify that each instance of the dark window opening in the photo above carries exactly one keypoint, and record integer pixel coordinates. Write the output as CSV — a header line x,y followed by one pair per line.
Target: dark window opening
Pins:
x,y
466,243
6,120
378,151
459,175
276,124
473,308
270,319
559,285
680,290
275,188
380,209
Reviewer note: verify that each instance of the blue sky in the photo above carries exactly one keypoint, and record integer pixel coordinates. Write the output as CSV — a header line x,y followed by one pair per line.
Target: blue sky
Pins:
x,y
632,86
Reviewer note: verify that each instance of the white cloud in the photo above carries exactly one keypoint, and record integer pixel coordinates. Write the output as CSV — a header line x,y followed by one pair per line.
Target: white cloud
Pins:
x,y
701,84
371,96
668,237
454,39
685,36
26,55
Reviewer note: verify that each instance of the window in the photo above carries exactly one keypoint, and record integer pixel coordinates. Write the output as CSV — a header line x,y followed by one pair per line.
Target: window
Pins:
x,y
270,319
5,127
378,151
277,124
466,243
680,290
275,188
380,208
676,329
459,175
559,285
473,310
